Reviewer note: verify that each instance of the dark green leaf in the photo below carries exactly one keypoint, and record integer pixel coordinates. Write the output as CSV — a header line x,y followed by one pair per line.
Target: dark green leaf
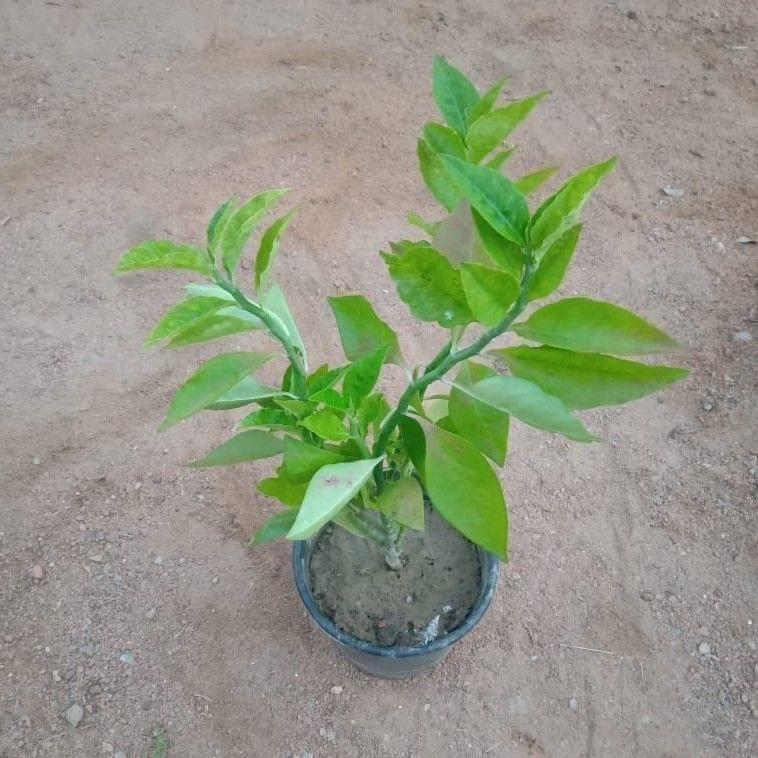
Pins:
x,y
587,380
489,130
403,501
183,314
329,491
527,402
594,326
164,254
489,292
361,330
443,140
268,247
554,264
275,528
331,398
211,381
531,182
327,425
455,95
372,412
487,101
506,254
271,418
436,177
284,490
323,378
429,285
482,425
247,446
561,210
218,224
302,460
362,375
496,198
464,489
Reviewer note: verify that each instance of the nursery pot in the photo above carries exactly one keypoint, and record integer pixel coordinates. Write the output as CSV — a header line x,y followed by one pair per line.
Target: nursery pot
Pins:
x,y
392,662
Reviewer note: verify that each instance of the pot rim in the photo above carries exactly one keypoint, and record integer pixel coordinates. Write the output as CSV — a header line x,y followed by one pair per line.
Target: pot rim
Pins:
x,y
490,572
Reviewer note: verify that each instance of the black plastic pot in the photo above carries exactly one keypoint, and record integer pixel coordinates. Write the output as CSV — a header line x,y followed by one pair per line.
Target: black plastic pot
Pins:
x,y
393,662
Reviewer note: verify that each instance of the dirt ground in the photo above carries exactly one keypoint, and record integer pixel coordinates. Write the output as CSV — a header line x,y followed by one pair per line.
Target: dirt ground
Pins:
x,y
625,621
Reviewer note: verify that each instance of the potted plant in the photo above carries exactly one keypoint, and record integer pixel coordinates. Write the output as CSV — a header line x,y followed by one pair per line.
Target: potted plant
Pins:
x,y
397,516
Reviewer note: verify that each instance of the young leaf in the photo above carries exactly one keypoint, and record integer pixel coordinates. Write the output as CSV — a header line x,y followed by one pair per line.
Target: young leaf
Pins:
x,y
428,227
273,300
270,418
323,378
302,460
487,101
183,314
372,411
211,381
242,224
491,129
219,221
403,501
554,264
587,380
531,182
429,285
362,375
527,402
455,95
284,490
497,161
496,198
436,177
443,140
482,425
164,254
209,290
222,323
331,398
329,491
561,210
268,247
361,330
464,489
489,292
327,425
506,254
594,326
247,391
275,528
247,446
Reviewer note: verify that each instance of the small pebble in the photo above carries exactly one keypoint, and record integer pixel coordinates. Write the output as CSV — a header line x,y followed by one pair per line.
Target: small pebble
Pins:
x,y
107,748
56,676
704,649
158,561
673,192
138,486
337,690
37,573
409,599
573,704
74,714
126,657
427,707
150,614
743,337
707,405
647,596
36,460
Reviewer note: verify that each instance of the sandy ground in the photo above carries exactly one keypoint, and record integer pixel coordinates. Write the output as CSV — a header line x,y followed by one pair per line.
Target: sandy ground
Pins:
x,y
631,560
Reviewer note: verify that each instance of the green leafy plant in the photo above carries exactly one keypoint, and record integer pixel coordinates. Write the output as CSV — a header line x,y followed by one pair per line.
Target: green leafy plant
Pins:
x,y
349,454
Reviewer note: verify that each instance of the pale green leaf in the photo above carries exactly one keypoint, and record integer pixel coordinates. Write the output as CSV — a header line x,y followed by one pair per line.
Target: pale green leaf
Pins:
x,y
362,375
270,418
594,326
273,300
487,101
329,491
443,140
247,391
587,380
284,490
436,177
160,254
327,425
428,227
490,293
275,528
497,160
246,446
268,248
224,322
361,330
209,290
211,381
455,95
554,264
302,460
182,315
531,182
217,225
403,500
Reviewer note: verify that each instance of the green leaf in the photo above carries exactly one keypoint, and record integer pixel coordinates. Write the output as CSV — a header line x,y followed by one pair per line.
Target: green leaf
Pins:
x,y
403,501
429,285
211,381
242,224
329,491
554,264
463,488
331,398
326,424
268,247
208,290
323,378
428,227
489,292
482,425
594,326
275,528
271,418
487,101
527,402
443,140
436,177
587,380
496,198
247,446
283,489
247,391
164,254
497,161
218,224
455,95
302,460
361,330
506,254
222,323
273,300
182,315
491,129
531,182
372,411
362,375
561,210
